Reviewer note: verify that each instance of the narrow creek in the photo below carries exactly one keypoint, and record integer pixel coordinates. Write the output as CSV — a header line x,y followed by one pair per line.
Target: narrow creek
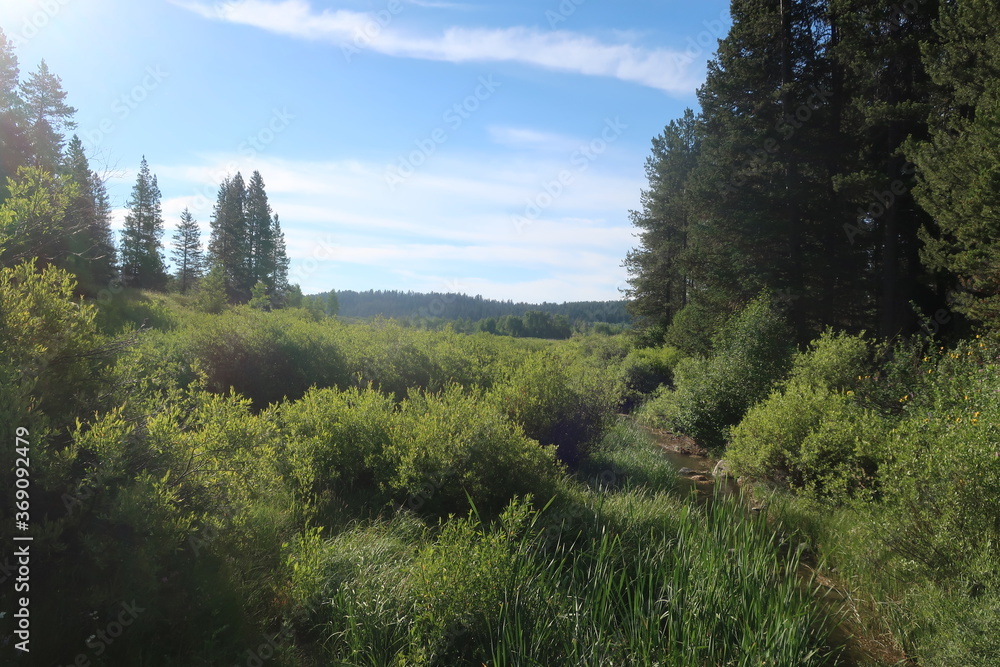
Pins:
x,y
694,465
695,469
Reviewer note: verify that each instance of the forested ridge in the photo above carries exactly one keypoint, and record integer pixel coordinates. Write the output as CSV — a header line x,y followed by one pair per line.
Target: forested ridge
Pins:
x,y
215,469
398,304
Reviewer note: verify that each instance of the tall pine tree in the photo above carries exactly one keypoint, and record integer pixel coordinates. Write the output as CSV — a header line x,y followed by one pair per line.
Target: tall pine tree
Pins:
x,y
279,262
90,240
12,148
761,187
260,238
142,245
959,165
886,93
247,241
229,246
658,280
48,117
187,254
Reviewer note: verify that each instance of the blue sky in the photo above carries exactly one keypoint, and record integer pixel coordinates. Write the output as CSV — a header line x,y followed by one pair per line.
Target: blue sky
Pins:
x,y
427,145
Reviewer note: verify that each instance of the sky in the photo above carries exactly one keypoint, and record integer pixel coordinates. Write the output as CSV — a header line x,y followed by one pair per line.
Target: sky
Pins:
x,y
491,148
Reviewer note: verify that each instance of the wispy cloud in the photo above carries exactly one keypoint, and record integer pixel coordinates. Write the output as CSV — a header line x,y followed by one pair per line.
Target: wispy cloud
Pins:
x,y
560,50
520,137
455,219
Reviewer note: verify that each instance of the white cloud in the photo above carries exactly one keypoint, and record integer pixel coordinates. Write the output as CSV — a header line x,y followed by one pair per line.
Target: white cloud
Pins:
x,y
519,137
664,69
454,218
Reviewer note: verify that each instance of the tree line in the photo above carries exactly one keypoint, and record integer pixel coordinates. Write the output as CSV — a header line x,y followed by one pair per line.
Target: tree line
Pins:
x,y
402,305
844,158
55,208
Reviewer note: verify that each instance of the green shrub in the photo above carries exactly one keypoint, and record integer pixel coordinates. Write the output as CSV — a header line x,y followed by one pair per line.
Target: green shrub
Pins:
x,y
336,444
450,447
810,439
558,403
645,369
386,355
694,326
836,361
51,361
264,356
752,352
131,309
943,511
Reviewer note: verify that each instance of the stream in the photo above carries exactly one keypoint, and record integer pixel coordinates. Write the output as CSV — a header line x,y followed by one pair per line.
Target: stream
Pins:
x,y
694,466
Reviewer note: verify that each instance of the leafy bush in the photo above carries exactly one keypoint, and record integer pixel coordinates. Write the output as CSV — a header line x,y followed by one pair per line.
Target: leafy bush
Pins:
x,y
752,352
834,361
810,439
336,444
645,369
944,473
264,356
694,326
450,447
812,434
558,403
387,356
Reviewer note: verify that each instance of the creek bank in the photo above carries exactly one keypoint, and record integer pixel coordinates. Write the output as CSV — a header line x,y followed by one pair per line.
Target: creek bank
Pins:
x,y
699,471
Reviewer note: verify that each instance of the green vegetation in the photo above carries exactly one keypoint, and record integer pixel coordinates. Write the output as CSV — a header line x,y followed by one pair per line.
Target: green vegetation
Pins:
x,y
253,473
883,458
370,494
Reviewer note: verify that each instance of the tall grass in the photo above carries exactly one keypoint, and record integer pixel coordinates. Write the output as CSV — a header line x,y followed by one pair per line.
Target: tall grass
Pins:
x,y
633,578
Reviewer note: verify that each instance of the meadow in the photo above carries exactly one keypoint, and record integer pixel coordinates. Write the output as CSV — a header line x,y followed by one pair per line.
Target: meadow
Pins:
x,y
285,488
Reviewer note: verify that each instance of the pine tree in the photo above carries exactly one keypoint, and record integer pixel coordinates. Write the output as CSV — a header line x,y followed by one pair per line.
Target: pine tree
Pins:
x,y
229,246
260,234
761,189
104,261
658,282
187,253
885,96
48,117
91,246
958,165
12,148
142,245
279,260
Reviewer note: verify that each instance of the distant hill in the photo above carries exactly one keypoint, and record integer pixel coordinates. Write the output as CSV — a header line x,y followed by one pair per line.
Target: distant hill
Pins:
x,y
400,305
